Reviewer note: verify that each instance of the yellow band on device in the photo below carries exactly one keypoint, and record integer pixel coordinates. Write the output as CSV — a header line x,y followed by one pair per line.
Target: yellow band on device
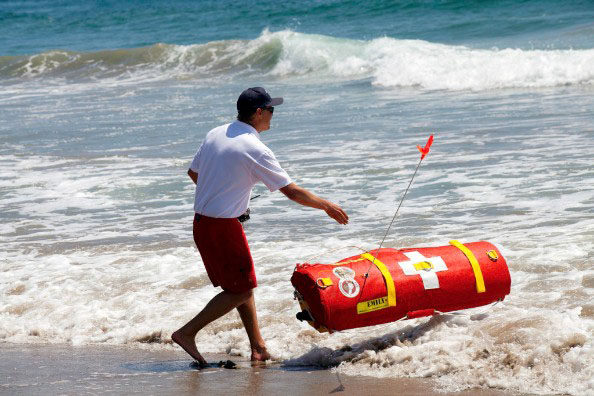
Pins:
x,y
387,277
478,274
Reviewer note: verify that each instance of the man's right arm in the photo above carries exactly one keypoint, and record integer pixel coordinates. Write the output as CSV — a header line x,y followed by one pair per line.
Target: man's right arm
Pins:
x,y
306,198
193,175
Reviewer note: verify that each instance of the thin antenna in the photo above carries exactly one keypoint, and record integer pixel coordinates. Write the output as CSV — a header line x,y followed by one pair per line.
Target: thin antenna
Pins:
x,y
424,151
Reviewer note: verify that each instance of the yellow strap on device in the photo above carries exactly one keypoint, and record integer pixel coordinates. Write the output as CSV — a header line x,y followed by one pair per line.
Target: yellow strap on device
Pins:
x,y
387,277
478,274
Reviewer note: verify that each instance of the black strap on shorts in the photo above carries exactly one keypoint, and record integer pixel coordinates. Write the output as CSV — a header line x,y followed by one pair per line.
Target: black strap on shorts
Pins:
x,y
243,218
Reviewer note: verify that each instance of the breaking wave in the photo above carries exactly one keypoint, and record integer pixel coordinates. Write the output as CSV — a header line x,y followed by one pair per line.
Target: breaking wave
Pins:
x,y
387,62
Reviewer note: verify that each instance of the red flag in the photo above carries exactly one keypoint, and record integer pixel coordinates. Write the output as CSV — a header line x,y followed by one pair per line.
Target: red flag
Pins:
x,y
425,150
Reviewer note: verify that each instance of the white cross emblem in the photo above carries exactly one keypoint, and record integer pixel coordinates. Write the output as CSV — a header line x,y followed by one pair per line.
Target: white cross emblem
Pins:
x,y
425,267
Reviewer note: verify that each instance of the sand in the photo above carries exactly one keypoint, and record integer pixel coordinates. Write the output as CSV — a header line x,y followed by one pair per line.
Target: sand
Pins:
x,y
27,369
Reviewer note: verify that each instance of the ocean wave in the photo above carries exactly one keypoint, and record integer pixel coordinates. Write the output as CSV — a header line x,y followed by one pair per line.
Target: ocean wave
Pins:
x,y
387,62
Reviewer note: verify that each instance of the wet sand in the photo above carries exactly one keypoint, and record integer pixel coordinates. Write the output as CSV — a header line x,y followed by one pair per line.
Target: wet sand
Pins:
x,y
99,369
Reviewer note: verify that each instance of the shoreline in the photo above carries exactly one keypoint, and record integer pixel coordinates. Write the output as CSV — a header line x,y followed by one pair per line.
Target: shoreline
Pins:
x,y
33,369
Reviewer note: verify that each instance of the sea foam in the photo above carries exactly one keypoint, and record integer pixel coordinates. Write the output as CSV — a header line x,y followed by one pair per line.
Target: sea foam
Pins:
x,y
388,62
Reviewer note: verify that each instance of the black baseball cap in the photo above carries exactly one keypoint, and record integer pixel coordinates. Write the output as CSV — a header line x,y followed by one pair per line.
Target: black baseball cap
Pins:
x,y
256,97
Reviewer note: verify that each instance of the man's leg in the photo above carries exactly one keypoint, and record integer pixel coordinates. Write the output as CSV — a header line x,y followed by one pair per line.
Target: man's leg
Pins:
x,y
220,305
247,312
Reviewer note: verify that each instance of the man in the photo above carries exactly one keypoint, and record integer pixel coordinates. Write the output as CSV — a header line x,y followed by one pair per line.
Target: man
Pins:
x,y
230,161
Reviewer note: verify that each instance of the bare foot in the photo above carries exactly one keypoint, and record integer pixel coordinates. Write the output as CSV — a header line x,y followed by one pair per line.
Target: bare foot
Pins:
x,y
188,344
260,354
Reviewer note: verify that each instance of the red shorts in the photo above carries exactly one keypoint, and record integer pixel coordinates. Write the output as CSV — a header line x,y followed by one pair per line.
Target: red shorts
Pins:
x,y
225,253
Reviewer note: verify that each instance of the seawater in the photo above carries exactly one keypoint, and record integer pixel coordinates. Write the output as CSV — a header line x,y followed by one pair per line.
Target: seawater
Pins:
x,y
103,107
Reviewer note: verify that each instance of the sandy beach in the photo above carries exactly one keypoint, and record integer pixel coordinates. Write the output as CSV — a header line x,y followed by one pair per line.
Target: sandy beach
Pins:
x,y
64,369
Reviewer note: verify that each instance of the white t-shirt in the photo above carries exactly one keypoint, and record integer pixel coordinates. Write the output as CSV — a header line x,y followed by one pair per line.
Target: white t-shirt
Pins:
x,y
230,161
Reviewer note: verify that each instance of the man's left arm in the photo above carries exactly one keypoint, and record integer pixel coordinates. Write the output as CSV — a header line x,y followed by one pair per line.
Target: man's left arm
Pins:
x,y
193,175
307,198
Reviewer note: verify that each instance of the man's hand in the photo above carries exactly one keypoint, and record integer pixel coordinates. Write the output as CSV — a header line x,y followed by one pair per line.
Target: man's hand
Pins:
x,y
306,198
336,213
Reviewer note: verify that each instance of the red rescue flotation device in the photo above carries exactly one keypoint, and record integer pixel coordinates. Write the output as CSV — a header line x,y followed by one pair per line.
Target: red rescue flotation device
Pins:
x,y
381,287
